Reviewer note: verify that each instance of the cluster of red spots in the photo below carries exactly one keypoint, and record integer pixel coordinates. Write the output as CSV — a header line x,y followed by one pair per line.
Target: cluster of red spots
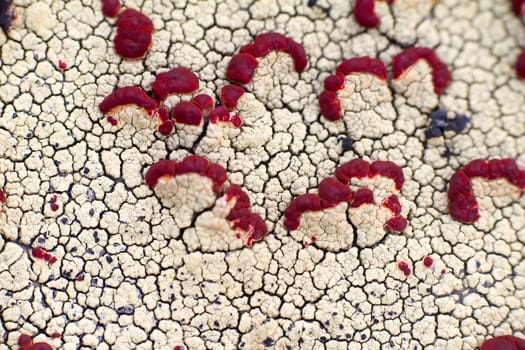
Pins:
x,y
191,164
241,216
222,114
408,57
403,266
504,342
332,191
110,8
328,102
25,342
53,203
62,65
364,13
175,81
462,202
41,254
242,66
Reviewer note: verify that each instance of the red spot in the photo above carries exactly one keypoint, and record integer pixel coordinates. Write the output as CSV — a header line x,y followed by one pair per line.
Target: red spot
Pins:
x,y
187,113
203,101
242,217
166,127
24,340
178,347
79,277
127,95
40,346
517,7
40,253
362,64
504,342
403,266
112,121
53,203
266,42
357,167
334,82
221,114
314,238
230,94
110,7
178,80
218,175
134,31
2,196
241,68
428,261
462,202
364,13
404,60
299,205
388,169
520,65
333,192
164,167
330,105
396,224
362,196
392,203
62,65
55,335
443,272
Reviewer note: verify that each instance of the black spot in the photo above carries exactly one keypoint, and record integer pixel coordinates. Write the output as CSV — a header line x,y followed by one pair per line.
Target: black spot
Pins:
x,y
268,342
346,143
109,259
91,212
7,14
216,323
312,3
64,221
90,251
440,122
363,336
126,310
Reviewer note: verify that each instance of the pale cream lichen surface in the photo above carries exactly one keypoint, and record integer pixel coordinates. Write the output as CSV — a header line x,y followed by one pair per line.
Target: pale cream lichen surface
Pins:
x,y
152,276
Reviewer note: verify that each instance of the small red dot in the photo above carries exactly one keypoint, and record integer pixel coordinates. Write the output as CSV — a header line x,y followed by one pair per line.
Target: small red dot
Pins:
x,y
62,65
314,238
428,261
55,335
403,266
112,121
54,206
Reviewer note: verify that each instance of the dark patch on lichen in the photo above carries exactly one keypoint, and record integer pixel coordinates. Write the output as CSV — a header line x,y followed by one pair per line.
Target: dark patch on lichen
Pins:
x,y
440,122
7,14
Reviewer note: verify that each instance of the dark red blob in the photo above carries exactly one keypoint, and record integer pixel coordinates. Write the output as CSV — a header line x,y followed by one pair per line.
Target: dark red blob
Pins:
x,y
333,192
392,203
362,64
334,82
164,167
241,68
396,224
357,167
330,105
62,65
504,342
187,113
192,164
230,94
79,277
221,114
166,127
362,196
404,60
110,8
24,340
388,169
127,95
55,335
217,174
112,121
517,7
40,346
53,203
478,167
134,31
203,101
428,261
178,80
2,197
403,266
266,42
364,13
241,216
299,205
40,253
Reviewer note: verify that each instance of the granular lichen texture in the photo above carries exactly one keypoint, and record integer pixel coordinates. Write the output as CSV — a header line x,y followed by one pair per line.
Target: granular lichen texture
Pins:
x,y
262,174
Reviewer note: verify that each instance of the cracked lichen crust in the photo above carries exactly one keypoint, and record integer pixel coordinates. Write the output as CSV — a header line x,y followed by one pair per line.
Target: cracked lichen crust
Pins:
x,y
92,257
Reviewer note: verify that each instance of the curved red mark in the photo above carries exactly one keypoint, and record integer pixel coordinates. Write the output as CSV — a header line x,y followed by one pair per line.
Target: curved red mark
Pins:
x,y
134,32
178,80
362,196
298,206
110,8
41,254
364,13
462,202
230,94
408,57
127,95
241,68
187,113
333,192
203,101
328,102
520,65
504,342
403,266
242,218
387,169
357,167
191,164
517,7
